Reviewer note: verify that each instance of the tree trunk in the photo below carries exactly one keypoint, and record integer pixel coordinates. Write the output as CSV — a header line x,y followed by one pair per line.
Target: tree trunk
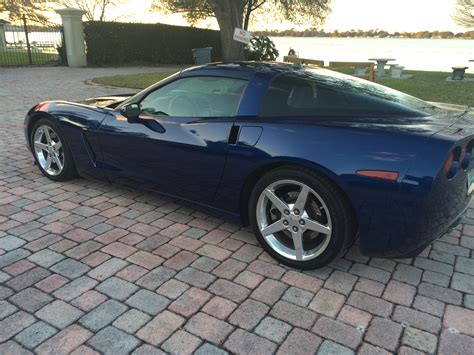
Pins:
x,y
248,13
229,15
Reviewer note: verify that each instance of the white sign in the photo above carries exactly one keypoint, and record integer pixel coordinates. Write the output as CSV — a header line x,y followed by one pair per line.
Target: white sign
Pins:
x,y
241,35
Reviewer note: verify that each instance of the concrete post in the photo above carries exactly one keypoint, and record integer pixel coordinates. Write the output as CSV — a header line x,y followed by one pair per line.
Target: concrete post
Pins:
x,y
3,40
74,36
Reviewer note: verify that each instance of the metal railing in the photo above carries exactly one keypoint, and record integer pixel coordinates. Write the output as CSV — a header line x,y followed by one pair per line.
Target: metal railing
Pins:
x,y
30,44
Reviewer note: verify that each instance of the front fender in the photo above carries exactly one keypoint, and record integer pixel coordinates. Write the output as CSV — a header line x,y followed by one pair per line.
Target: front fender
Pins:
x,y
79,124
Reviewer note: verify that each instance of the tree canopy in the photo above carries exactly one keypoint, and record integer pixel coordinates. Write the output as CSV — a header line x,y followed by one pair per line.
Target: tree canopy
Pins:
x,y
33,9
95,10
311,12
464,14
238,13
36,10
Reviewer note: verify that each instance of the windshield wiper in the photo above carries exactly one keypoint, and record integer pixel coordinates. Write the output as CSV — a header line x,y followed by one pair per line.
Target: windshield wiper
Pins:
x,y
156,113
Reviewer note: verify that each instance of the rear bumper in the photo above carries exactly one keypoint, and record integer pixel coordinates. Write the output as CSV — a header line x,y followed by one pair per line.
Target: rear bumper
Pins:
x,y
413,250
406,226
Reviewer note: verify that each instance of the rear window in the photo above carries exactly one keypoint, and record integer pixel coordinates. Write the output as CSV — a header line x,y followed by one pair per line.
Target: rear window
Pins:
x,y
325,93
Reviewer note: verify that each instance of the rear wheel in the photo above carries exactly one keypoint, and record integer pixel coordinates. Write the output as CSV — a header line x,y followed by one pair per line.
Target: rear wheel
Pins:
x,y
51,151
300,218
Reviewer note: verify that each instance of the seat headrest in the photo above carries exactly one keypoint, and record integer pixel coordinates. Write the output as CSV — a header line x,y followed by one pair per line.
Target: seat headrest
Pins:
x,y
301,96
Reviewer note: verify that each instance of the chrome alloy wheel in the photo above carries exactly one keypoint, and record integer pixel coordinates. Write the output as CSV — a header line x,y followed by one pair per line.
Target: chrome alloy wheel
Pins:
x,y
294,220
48,150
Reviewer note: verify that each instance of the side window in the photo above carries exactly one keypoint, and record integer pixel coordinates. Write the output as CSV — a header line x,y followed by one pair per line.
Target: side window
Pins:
x,y
292,96
202,96
315,94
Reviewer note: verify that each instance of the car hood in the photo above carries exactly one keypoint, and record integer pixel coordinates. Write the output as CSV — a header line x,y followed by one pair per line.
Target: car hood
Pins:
x,y
106,101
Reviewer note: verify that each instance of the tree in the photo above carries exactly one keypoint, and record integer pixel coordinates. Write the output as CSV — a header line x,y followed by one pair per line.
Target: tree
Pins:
x,y
464,14
32,9
238,13
95,10
36,10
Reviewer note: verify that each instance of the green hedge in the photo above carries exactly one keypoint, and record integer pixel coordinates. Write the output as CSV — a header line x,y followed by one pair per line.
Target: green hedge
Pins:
x,y
110,43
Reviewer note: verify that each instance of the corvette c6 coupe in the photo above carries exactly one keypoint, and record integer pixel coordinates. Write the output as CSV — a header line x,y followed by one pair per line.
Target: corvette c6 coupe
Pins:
x,y
309,157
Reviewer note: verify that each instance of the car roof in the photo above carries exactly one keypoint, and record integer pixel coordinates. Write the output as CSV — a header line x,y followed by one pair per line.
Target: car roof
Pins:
x,y
244,69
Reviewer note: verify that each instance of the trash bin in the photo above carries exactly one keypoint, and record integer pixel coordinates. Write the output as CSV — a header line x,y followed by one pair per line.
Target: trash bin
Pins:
x,y
202,55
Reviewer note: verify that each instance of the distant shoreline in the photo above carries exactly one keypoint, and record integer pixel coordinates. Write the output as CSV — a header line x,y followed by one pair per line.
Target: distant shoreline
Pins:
x,y
433,38
368,34
426,55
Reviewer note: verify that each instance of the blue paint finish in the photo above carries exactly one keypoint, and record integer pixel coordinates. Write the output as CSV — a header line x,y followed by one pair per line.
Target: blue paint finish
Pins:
x,y
79,123
249,135
191,157
184,160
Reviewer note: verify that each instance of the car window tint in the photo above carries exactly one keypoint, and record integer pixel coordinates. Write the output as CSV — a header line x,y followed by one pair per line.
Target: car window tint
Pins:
x,y
196,97
324,93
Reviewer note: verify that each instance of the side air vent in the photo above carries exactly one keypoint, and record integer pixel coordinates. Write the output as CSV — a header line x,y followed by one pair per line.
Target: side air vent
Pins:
x,y
90,152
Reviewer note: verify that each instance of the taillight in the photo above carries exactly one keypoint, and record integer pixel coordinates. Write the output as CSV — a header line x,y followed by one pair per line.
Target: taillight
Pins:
x,y
449,163
466,158
453,162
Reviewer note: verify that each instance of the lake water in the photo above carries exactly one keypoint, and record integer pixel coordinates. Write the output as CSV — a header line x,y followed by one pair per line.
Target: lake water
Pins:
x,y
415,54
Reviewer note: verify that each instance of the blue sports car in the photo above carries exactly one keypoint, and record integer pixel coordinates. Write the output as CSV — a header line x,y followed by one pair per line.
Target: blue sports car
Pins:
x,y
309,157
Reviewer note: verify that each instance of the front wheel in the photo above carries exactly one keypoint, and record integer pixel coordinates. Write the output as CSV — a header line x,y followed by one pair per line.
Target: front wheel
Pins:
x,y
300,218
51,151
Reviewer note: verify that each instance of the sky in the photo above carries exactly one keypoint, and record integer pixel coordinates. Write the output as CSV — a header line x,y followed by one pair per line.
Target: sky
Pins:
x,y
389,15
393,15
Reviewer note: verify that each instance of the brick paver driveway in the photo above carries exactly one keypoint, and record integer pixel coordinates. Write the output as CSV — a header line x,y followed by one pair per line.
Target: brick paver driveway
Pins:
x,y
89,267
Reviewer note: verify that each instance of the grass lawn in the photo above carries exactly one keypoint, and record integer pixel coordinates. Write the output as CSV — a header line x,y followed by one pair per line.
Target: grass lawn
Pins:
x,y
133,81
430,86
21,57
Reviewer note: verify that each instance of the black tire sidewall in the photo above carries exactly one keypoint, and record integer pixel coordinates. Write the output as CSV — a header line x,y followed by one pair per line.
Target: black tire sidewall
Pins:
x,y
69,169
336,205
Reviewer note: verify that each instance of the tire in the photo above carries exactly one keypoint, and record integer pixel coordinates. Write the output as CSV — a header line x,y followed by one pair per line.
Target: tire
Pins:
x,y
323,225
39,144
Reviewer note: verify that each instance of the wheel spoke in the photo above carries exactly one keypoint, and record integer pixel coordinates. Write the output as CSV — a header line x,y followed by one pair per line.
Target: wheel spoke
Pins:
x,y
316,226
48,137
273,228
279,204
49,160
57,145
298,243
48,150
303,213
302,198
58,161
41,146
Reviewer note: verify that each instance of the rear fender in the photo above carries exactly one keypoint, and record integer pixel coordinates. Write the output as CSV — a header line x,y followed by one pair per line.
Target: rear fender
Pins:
x,y
279,162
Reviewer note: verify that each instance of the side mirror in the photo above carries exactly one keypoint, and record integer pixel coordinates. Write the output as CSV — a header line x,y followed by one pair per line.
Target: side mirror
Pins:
x,y
131,111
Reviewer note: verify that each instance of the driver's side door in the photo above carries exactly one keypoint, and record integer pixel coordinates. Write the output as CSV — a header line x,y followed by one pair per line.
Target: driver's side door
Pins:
x,y
178,145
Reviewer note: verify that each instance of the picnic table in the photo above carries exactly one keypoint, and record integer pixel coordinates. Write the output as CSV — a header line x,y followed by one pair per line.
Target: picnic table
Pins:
x,y
381,63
